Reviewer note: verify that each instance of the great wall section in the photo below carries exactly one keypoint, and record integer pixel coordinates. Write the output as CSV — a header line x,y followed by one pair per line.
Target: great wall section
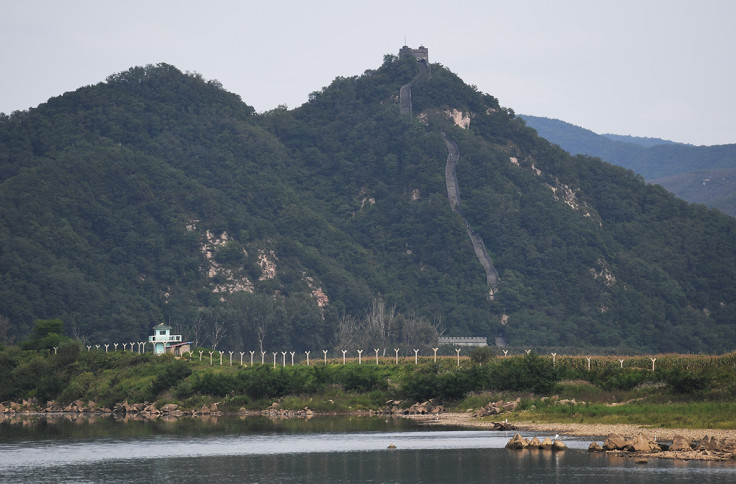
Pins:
x,y
453,156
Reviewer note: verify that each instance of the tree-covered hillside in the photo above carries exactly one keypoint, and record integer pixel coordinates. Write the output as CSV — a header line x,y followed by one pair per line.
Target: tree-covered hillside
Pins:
x,y
158,196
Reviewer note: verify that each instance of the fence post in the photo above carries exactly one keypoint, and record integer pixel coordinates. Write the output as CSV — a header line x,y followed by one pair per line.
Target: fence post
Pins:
x,y
554,355
397,355
416,356
457,350
435,354
292,357
653,360
241,357
283,356
588,358
106,346
325,352
231,358
274,358
251,358
307,353
343,356
505,353
360,352
620,360
376,350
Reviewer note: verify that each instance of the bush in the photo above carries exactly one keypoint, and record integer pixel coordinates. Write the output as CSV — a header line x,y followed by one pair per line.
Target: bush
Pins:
x,y
482,354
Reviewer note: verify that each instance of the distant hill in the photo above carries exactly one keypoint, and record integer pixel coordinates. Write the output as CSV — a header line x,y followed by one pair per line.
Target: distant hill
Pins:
x,y
700,174
637,140
159,196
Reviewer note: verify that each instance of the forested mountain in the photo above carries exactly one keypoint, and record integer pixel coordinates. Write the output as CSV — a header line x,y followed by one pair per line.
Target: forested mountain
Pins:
x,y
158,196
701,174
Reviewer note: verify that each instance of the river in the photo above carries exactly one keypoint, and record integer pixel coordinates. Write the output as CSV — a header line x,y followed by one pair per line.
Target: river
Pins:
x,y
328,449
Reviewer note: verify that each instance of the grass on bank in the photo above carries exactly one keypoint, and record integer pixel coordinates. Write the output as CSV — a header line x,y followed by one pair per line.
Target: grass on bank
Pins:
x,y
696,415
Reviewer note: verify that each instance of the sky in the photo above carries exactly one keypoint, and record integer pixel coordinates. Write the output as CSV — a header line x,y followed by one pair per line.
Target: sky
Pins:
x,y
650,68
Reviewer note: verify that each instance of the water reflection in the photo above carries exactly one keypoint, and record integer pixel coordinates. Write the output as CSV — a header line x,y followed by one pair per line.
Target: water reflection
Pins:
x,y
256,449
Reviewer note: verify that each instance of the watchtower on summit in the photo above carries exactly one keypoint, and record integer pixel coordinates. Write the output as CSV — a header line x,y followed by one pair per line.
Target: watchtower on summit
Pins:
x,y
421,54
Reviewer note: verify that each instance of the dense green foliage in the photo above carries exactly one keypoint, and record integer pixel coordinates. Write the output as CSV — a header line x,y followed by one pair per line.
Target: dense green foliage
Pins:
x,y
109,378
700,174
158,196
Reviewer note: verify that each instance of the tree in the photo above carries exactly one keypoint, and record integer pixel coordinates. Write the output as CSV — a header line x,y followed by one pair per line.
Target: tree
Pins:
x,y
46,334
5,337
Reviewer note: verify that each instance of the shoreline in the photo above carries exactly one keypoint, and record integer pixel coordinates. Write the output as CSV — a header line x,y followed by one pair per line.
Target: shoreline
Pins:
x,y
599,433
576,429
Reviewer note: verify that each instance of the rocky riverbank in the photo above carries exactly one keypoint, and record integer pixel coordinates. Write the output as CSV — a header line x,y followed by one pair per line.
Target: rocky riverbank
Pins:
x,y
630,440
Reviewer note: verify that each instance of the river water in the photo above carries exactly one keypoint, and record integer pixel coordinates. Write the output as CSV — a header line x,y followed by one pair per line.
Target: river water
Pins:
x,y
351,449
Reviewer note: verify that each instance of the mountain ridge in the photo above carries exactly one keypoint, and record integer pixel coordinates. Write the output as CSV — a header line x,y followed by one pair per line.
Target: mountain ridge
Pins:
x,y
157,195
683,169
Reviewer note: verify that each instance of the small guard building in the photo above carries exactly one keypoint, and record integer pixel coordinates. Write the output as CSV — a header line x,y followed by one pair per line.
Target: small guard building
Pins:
x,y
165,342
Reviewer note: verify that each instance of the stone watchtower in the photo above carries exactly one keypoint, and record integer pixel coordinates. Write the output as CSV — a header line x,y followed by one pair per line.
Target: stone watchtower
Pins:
x,y
421,54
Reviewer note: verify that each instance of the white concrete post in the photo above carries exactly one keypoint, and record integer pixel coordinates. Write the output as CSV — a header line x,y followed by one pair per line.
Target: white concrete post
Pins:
x,y
457,350
325,352
124,346
376,350
505,353
55,348
554,355
307,353
397,355
435,354
653,360
131,348
621,361
588,358
274,358
343,356
200,355
360,352
283,355
116,346
211,353
221,353
106,346
251,358
241,357
528,351
416,356
292,353
263,357
88,348
98,347
231,358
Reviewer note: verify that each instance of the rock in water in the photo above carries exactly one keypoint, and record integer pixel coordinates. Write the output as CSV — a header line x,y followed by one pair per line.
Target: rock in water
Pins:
x,y
517,442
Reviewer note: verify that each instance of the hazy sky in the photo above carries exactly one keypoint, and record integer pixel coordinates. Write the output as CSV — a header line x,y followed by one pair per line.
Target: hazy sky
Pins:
x,y
642,67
